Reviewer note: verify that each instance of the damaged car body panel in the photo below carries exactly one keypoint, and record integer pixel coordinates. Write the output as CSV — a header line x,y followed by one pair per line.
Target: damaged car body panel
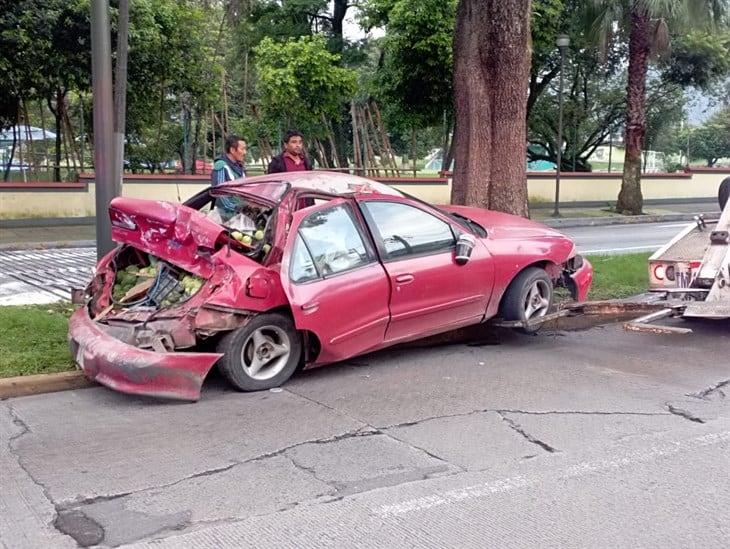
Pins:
x,y
128,369
311,268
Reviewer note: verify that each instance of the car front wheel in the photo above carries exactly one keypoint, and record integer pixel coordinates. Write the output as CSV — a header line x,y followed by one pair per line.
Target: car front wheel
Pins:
x,y
262,354
529,296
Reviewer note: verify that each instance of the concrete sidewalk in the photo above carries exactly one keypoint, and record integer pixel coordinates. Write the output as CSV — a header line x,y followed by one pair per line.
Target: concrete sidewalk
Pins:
x,y
47,233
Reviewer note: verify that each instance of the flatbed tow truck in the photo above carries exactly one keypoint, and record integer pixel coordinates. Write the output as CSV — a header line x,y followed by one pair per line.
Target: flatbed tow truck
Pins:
x,y
690,275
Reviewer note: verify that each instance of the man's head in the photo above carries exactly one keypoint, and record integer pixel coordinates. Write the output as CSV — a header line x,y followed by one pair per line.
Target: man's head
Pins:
x,y
293,142
235,148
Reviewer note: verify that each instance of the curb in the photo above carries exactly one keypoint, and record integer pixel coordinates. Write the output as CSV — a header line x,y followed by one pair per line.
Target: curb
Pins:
x,y
624,220
19,246
35,222
11,387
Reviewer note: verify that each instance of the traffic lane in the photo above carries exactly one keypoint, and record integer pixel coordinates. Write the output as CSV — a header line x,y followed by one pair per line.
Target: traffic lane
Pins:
x,y
632,238
138,467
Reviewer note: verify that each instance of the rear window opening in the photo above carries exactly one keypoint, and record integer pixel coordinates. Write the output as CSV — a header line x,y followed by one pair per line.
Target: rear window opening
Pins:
x,y
249,224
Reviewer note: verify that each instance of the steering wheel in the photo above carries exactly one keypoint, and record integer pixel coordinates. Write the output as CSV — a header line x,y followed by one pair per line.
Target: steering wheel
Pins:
x,y
402,240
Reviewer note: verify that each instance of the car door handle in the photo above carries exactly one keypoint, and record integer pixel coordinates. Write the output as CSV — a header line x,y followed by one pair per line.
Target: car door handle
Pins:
x,y
310,307
405,279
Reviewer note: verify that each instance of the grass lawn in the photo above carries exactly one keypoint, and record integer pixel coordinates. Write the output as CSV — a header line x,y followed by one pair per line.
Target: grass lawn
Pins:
x,y
33,340
616,276
33,337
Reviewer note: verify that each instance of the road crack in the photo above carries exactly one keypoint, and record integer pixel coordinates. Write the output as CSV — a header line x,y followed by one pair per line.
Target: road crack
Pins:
x,y
518,428
524,412
77,503
705,393
684,413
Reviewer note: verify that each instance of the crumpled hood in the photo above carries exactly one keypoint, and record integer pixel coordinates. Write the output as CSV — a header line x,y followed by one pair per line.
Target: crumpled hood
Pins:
x,y
504,226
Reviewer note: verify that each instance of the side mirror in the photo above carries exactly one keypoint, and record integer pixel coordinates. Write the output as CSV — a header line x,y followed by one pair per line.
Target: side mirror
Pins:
x,y
464,246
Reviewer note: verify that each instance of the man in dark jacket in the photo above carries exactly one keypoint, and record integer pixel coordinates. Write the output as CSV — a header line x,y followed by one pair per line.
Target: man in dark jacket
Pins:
x,y
227,167
293,158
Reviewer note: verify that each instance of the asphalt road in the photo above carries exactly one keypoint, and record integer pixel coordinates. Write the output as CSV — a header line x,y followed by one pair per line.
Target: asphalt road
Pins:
x,y
618,239
597,438
44,276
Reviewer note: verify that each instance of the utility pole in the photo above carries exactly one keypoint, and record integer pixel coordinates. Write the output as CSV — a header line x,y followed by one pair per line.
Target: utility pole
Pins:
x,y
562,42
101,74
120,94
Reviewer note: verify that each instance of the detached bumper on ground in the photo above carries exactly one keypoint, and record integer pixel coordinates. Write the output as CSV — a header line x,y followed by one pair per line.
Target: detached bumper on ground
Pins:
x,y
129,369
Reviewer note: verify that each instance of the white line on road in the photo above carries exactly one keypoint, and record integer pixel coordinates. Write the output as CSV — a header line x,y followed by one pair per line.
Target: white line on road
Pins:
x,y
574,471
626,249
673,225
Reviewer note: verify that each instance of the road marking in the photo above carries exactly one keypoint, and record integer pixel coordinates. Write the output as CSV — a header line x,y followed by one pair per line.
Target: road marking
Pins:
x,y
673,225
573,471
44,276
625,249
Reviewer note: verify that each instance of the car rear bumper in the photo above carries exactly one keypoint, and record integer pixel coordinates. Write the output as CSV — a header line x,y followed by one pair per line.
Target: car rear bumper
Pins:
x,y
582,280
128,369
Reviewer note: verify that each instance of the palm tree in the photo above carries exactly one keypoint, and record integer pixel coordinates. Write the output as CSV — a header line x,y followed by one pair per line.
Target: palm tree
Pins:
x,y
648,23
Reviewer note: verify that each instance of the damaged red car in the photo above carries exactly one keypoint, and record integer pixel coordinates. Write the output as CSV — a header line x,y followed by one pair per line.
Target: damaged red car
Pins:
x,y
269,274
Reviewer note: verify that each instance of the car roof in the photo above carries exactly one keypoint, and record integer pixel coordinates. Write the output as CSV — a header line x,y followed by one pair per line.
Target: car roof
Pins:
x,y
339,184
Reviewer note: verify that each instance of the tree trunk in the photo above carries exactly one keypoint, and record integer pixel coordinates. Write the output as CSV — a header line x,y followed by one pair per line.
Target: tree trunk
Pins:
x,y
630,200
338,16
58,114
196,143
43,127
6,177
448,155
491,75
32,158
357,159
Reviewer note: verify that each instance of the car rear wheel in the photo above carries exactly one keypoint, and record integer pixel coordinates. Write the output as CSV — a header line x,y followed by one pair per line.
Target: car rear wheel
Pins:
x,y
724,193
529,296
262,354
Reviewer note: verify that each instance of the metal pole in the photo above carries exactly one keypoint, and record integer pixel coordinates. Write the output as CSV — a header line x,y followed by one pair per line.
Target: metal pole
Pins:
x,y
556,211
82,131
610,149
120,93
101,72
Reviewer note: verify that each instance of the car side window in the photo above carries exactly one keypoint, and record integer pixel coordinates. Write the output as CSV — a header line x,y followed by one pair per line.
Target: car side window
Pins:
x,y
328,242
406,230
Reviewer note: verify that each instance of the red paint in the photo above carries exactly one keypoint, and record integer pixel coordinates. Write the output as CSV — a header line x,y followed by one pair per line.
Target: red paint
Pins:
x,y
131,370
373,305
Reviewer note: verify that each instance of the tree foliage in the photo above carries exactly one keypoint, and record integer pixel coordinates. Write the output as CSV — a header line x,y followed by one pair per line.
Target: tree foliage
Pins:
x,y
699,58
174,73
300,82
710,141
414,82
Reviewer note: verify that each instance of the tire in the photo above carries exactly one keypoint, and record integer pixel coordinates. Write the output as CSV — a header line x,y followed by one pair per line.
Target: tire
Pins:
x,y
723,194
262,354
529,296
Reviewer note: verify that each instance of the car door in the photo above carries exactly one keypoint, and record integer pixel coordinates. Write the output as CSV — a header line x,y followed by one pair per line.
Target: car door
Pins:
x,y
430,292
336,286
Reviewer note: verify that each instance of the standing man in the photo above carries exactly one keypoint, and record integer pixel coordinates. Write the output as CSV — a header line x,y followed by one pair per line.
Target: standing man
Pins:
x,y
293,158
227,167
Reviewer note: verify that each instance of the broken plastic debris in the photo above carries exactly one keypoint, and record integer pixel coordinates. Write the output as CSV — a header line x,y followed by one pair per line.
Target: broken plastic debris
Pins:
x,y
276,390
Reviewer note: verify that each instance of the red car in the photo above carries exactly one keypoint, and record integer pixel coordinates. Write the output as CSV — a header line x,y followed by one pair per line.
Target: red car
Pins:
x,y
267,274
